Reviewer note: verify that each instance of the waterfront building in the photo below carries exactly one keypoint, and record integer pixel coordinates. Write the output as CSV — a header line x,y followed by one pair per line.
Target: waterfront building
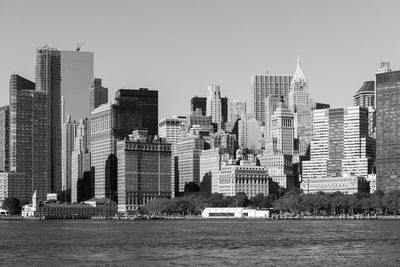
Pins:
x,y
264,85
77,68
371,178
68,139
236,109
144,170
347,184
227,213
98,95
249,132
4,138
340,144
30,136
388,131
48,80
199,103
188,152
210,164
171,129
12,185
95,207
246,178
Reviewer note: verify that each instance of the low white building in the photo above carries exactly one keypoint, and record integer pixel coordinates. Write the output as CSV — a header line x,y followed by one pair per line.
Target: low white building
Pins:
x,y
346,184
225,213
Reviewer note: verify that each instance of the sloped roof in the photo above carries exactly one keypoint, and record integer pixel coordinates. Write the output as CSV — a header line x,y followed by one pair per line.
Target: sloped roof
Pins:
x,y
368,86
299,75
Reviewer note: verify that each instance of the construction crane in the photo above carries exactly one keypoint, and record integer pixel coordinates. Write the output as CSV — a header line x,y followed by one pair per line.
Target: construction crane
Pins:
x,y
78,46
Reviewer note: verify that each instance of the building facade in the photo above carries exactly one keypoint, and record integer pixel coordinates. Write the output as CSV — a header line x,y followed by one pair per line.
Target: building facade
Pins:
x,y
365,97
98,95
13,185
264,85
388,131
210,164
236,109
144,170
4,138
68,139
249,132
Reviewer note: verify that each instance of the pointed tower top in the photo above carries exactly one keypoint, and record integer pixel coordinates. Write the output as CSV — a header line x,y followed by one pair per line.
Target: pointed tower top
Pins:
x,y
299,75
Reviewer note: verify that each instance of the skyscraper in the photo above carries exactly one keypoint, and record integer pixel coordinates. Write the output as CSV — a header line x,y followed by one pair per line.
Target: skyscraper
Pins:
x,y
365,96
30,144
4,138
48,80
388,130
68,139
271,104
249,132
98,94
76,77
264,85
341,145
213,108
301,106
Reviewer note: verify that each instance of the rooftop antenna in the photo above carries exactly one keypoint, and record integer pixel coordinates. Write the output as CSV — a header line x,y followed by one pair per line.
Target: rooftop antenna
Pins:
x,y
78,46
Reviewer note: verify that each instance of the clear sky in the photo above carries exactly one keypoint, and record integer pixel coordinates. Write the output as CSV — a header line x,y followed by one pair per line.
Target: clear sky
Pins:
x,y
180,47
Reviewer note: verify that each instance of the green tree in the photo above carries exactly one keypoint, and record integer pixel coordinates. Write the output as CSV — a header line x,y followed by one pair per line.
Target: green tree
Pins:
x,y
12,205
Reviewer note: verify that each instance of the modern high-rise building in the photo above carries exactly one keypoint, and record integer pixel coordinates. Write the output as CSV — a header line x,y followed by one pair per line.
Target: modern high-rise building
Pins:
x,y
171,129
388,131
199,102
68,139
188,152
136,109
264,85
210,164
30,136
4,139
48,80
77,69
249,132
144,170
341,145
236,109
98,94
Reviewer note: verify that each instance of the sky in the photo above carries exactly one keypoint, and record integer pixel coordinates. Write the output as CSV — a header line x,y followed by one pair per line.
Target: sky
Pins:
x,y
181,47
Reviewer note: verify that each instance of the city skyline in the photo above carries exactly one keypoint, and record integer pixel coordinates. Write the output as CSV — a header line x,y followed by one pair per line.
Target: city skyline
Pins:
x,y
167,55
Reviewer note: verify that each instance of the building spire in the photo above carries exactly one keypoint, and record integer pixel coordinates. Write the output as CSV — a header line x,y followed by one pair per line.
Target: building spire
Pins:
x,y
299,75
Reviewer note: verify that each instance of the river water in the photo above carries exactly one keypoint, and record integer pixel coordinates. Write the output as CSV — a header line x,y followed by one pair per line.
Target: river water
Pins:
x,y
200,243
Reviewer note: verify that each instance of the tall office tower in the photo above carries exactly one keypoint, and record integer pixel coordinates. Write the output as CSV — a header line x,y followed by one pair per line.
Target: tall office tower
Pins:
x,y
98,94
264,85
77,69
171,129
224,111
249,132
210,164
30,146
80,161
365,97
301,106
341,145
385,67
4,139
204,122
224,140
388,131
68,139
282,132
48,80
199,102
188,152
144,170
213,108
271,104
103,142
136,109
236,109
